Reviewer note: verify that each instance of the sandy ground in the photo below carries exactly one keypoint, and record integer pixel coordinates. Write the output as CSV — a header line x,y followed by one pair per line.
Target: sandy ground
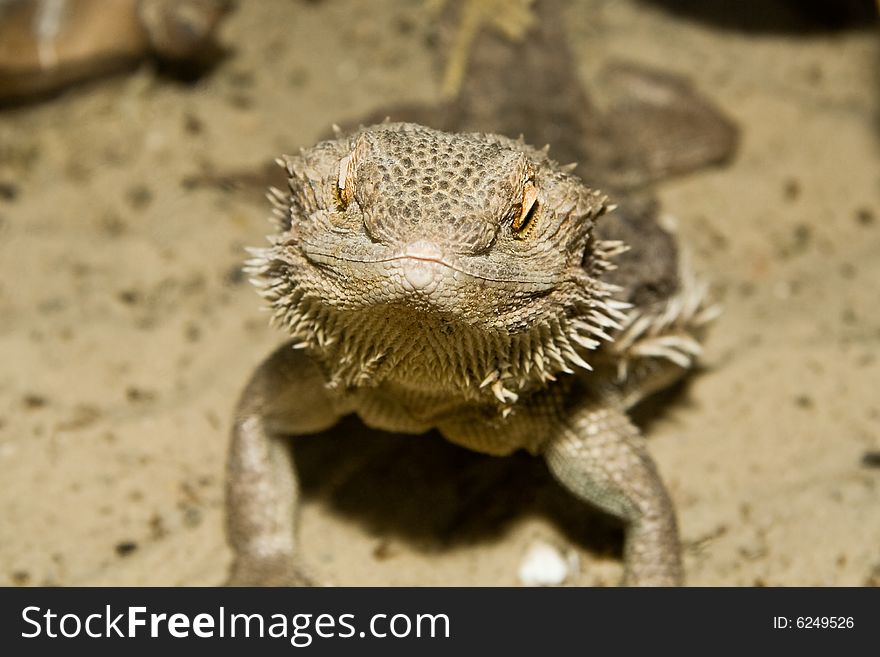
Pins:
x,y
126,330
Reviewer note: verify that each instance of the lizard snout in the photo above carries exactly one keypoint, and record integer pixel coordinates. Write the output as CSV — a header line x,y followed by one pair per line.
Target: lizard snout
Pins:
x,y
422,264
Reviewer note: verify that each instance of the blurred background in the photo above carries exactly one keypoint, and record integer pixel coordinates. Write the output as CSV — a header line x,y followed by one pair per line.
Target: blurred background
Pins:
x,y
134,140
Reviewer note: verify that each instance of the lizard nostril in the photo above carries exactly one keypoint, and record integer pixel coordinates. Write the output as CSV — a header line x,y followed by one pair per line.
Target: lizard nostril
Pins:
x,y
372,228
479,239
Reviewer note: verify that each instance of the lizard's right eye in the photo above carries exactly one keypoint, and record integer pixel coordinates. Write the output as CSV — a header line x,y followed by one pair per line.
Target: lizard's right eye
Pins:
x,y
343,190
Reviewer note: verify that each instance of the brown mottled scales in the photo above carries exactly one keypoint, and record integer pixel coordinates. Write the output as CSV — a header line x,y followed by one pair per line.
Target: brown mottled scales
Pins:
x,y
461,280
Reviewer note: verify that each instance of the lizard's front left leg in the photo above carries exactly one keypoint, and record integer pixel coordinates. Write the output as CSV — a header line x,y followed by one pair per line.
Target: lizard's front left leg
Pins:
x,y
286,395
601,458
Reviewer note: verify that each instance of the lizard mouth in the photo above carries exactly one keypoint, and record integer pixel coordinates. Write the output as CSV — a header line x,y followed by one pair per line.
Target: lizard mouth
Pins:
x,y
418,272
438,265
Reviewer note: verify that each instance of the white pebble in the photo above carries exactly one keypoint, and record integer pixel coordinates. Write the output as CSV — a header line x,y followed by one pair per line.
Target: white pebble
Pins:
x,y
545,565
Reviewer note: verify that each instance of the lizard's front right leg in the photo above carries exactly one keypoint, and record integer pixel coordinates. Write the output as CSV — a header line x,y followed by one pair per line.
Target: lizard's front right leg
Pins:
x,y
286,395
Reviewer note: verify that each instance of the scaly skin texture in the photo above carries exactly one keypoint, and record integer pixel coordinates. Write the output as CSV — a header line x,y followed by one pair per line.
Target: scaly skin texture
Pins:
x,y
469,283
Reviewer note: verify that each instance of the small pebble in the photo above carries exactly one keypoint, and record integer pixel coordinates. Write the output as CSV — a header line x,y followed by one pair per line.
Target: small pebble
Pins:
x,y
545,565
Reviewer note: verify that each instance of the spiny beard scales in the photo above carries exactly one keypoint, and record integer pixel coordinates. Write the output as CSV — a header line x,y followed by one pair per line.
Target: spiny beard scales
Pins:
x,y
421,351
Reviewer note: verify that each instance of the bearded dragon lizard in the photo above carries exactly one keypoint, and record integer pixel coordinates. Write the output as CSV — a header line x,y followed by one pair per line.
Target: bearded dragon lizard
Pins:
x,y
461,280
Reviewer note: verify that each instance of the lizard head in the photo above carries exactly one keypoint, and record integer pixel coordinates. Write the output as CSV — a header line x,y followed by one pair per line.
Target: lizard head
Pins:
x,y
401,226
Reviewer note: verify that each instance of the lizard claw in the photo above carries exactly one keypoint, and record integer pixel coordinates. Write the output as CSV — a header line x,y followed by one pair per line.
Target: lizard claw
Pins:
x,y
274,571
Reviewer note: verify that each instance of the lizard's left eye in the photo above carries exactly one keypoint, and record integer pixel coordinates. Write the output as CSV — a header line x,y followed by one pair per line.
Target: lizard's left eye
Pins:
x,y
527,219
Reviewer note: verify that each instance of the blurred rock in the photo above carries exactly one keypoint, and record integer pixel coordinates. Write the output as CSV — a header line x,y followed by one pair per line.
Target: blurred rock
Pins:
x,y
46,45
